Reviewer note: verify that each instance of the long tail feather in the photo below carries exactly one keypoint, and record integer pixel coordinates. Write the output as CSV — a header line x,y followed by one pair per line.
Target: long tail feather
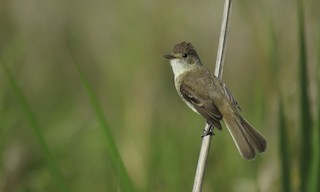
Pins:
x,y
246,138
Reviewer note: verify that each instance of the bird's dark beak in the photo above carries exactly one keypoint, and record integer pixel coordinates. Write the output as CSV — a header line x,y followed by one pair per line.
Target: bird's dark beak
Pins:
x,y
169,56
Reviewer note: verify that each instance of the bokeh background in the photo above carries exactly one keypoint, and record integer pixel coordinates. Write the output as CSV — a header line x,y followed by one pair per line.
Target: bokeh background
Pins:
x,y
87,102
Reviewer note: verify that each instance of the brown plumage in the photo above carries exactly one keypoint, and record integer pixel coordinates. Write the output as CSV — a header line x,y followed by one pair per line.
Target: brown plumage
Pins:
x,y
209,97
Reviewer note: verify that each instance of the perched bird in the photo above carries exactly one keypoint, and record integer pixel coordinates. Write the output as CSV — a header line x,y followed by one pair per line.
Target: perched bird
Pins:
x,y
205,94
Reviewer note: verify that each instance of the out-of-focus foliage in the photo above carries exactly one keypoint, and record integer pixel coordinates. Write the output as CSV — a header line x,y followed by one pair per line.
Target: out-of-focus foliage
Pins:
x,y
118,45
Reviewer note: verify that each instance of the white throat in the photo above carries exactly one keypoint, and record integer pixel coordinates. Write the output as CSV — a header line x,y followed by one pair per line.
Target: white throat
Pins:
x,y
177,67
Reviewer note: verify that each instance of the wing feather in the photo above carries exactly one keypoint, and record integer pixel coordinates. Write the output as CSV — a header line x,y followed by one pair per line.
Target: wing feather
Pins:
x,y
202,104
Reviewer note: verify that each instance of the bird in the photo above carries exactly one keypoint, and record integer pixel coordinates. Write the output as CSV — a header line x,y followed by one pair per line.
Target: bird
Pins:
x,y
208,96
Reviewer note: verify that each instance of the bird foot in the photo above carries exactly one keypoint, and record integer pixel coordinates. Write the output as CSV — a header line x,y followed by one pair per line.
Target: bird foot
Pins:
x,y
207,132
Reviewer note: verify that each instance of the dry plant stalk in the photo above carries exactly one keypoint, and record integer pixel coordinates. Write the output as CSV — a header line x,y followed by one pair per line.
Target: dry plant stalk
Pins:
x,y
206,141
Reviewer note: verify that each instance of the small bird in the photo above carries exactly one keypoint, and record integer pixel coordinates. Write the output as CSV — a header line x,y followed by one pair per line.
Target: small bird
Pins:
x,y
205,94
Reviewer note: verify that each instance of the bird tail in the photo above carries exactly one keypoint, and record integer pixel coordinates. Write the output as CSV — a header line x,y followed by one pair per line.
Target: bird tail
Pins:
x,y
247,139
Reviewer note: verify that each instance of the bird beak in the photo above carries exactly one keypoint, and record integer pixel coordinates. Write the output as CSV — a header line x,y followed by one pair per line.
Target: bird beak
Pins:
x,y
169,56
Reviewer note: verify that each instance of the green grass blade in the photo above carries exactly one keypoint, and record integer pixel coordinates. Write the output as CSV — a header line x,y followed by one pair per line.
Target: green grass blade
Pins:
x,y
125,182
306,120
314,184
283,151
315,178
317,143
56,174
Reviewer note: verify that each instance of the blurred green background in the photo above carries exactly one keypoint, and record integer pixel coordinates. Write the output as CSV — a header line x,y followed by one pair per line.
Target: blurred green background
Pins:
x,y
87,102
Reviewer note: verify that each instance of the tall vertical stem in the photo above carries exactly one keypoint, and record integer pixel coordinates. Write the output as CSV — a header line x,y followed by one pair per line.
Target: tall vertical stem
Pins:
x,y
206,141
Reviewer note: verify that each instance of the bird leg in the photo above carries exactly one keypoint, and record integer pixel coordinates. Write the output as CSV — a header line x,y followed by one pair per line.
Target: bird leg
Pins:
x,y
207,132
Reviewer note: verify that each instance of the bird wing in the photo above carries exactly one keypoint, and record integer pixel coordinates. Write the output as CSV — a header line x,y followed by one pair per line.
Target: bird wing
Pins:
x,y
230,97
202,103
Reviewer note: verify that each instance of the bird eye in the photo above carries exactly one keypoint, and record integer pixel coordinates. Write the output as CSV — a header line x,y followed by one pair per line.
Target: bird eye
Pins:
x,y
185,55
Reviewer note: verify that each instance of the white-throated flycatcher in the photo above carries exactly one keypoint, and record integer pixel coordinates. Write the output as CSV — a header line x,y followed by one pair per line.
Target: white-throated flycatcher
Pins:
x,y
205,94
